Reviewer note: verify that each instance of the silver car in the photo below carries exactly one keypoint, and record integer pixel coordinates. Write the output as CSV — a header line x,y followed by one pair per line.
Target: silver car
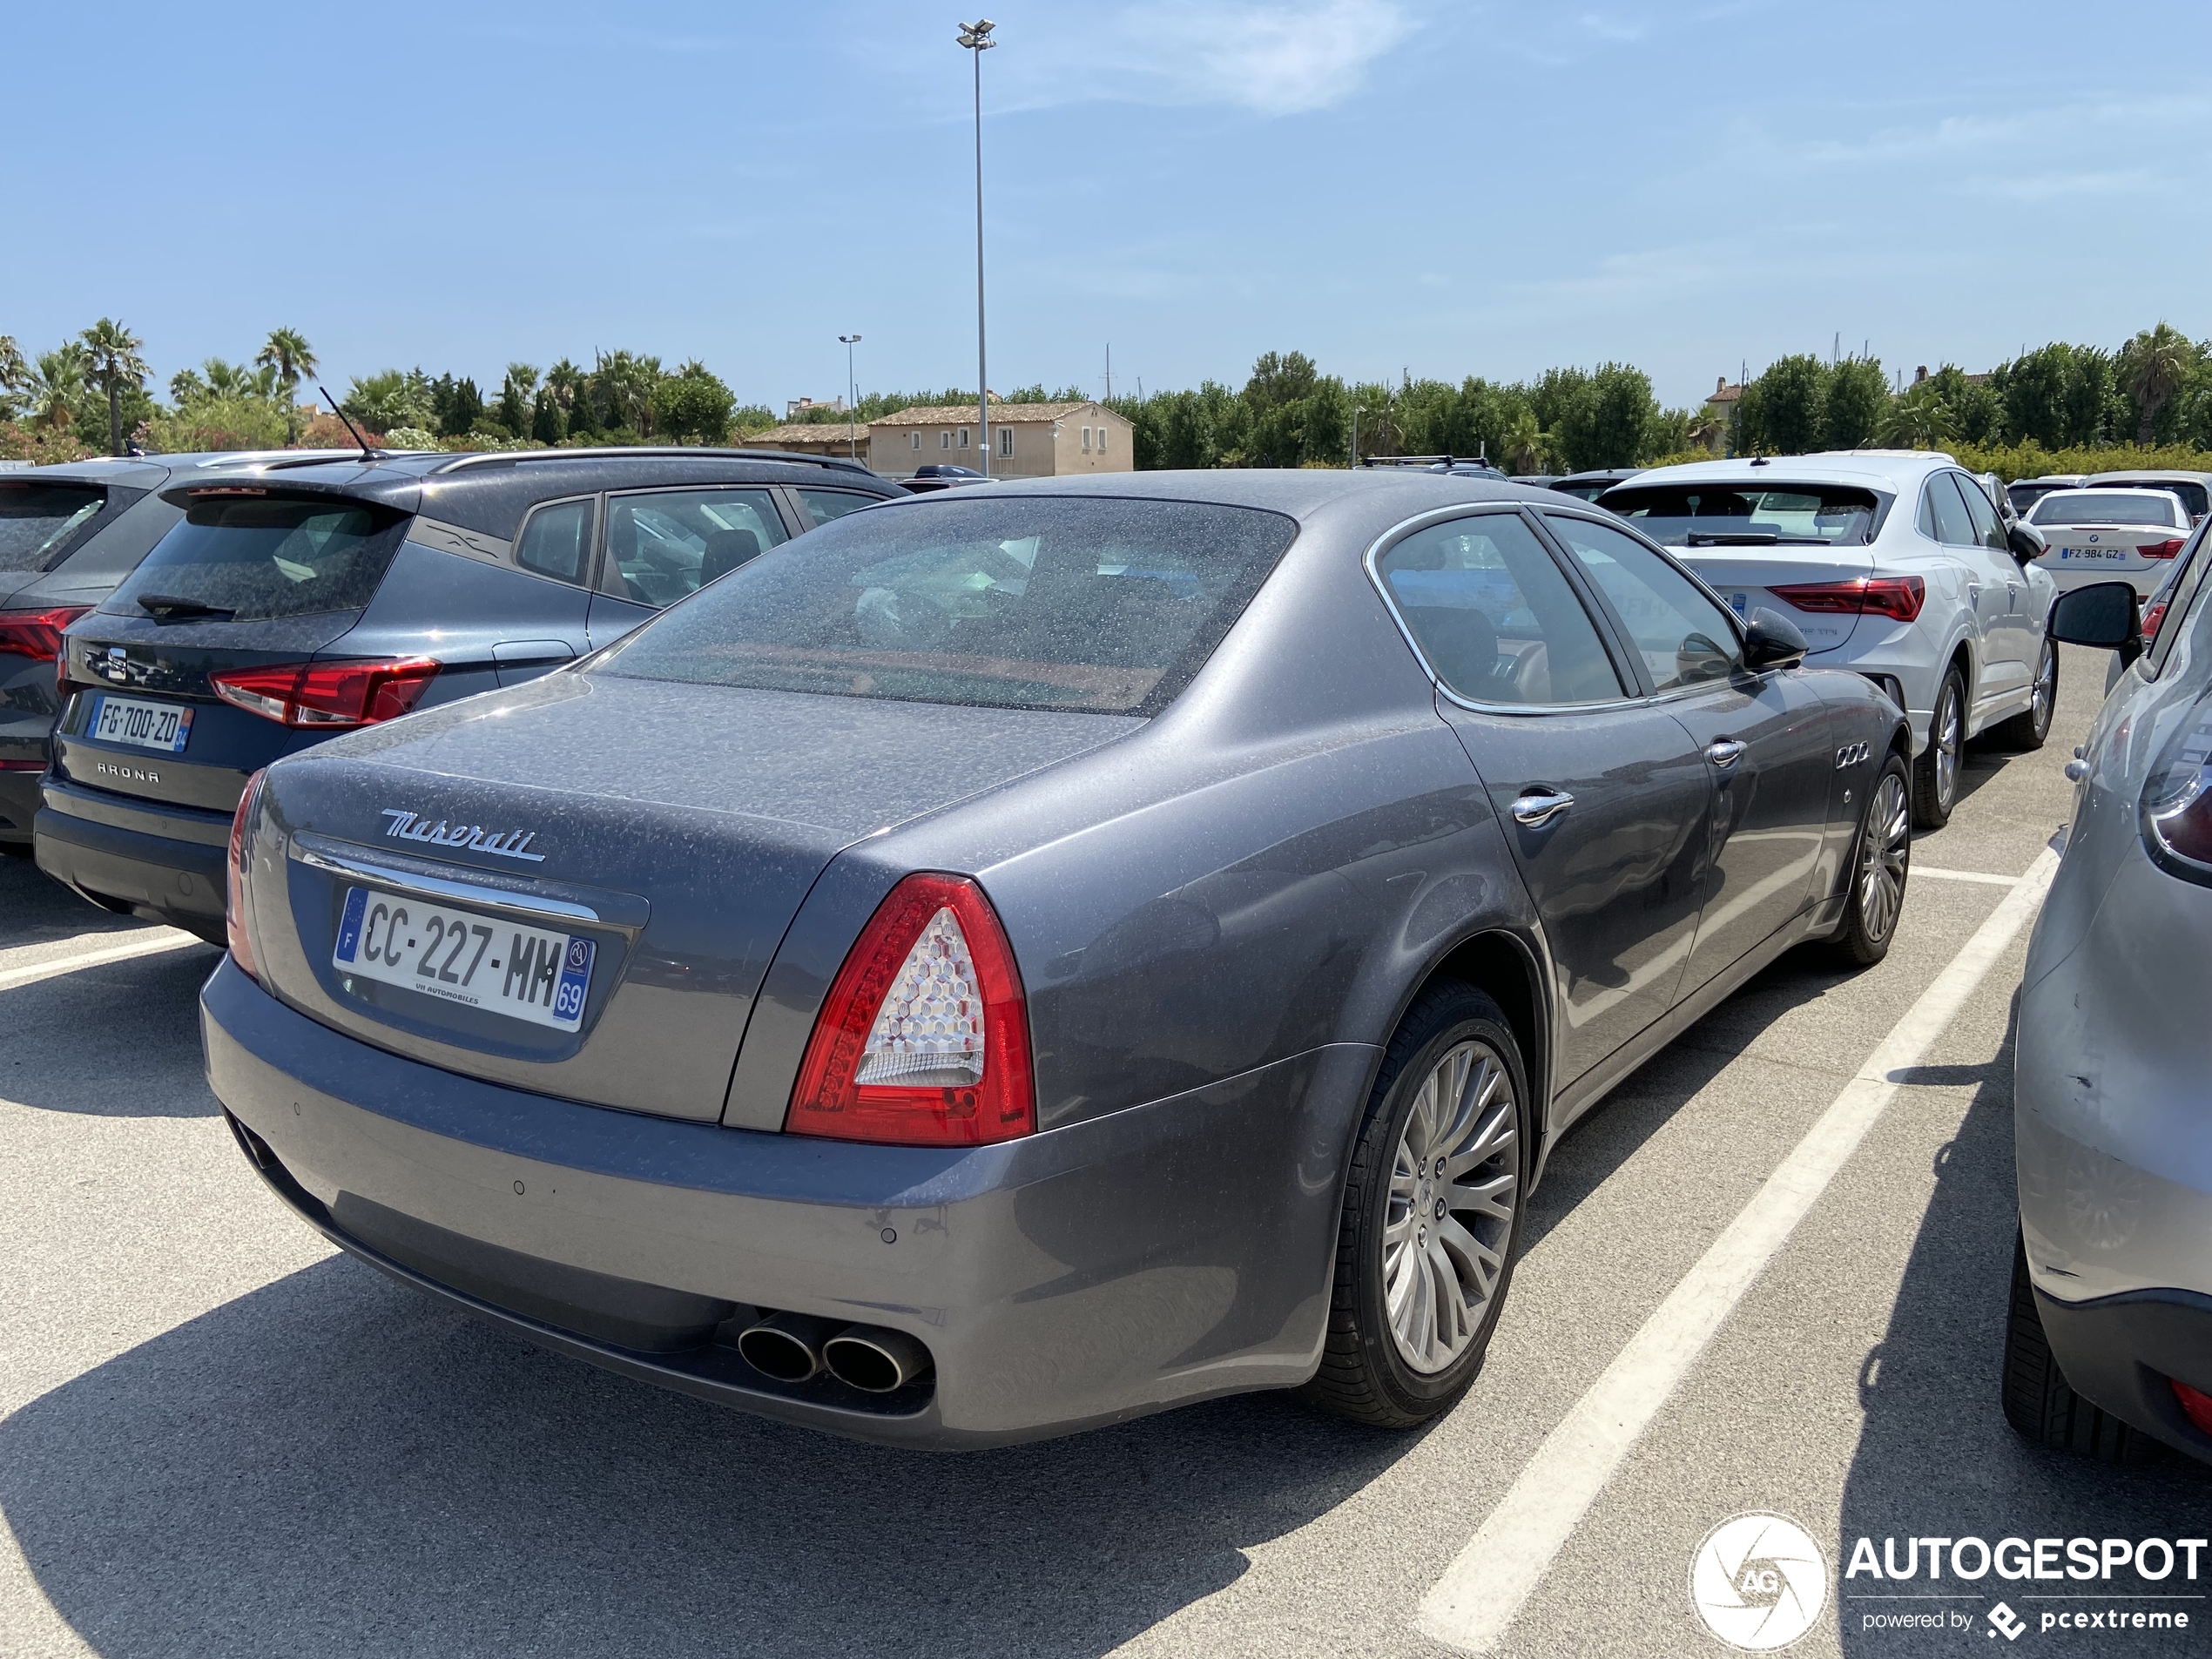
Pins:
x,y
2110,1338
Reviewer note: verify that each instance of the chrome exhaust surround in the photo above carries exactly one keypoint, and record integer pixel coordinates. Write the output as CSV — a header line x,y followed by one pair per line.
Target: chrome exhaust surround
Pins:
x,y
787,1346
874,1359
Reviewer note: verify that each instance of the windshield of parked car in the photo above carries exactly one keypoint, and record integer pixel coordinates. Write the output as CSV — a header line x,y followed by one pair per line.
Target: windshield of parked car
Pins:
x,y
2193,497
34,519
2107,507
1036,601
248,558
1723,514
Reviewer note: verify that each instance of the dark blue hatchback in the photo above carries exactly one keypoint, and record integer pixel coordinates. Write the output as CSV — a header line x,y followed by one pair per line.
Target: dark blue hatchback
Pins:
x,y
285,609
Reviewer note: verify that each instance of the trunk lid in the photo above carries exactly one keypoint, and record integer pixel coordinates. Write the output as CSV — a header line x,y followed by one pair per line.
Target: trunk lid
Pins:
x,y
1745,579
660,837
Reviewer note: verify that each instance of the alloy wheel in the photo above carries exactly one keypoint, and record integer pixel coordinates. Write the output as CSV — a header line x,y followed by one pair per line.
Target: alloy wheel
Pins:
x,y
1454,1183
2043,694
1949,740
1883,855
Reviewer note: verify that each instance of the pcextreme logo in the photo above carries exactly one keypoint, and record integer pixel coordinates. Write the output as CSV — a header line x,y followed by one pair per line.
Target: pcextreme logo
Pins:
x,y
1758,1582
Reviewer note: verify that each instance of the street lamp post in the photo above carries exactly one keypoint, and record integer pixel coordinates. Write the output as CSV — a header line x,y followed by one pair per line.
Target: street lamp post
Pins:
x,y
976,37
852,392
1357,409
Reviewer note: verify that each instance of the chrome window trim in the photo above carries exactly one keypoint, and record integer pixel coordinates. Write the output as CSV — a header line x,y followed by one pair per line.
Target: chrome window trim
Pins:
x,y
1398,533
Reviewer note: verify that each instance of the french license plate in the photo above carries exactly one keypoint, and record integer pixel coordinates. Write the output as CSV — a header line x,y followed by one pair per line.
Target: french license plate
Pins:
x,y
525,973
166,726
2094,555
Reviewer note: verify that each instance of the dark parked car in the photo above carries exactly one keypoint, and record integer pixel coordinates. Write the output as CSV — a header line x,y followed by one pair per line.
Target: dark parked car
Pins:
x,y
68,535
942,475
287,607
1035,956
1588,486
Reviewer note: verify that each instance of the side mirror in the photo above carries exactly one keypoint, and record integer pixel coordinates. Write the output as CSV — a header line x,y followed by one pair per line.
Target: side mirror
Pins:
x,y
1771,640
2027,542
2102,615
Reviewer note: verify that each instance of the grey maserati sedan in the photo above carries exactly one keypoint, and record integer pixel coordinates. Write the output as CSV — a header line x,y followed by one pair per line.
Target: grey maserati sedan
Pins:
x,y
1012,960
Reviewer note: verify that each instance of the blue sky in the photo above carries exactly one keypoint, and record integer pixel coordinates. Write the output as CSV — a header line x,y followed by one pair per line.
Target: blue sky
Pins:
x,y
1458,189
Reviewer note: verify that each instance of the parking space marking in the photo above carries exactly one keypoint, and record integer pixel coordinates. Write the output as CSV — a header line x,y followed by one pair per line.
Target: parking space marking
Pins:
x,y
1942,874
1482,1591
164,938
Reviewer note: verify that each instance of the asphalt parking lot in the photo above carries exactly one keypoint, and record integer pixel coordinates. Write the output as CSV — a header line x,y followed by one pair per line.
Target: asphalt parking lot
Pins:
x,y
218,1436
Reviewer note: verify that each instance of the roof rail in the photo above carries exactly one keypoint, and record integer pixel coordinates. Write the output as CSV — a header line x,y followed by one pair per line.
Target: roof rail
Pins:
x,y
1430,462
840,463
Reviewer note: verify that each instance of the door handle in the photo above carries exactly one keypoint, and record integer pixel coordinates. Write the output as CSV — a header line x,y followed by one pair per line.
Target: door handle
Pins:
x,y
1725,751
1539,806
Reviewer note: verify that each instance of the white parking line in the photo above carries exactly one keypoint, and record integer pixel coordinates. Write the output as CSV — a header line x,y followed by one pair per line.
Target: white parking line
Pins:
x,y
1482,1591
139,945
1942,874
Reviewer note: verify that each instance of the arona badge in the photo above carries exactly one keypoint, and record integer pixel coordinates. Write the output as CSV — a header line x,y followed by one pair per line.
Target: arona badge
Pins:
x,y
474,838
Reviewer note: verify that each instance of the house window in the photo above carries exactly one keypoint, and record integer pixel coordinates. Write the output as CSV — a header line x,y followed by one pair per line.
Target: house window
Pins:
x,y
1086,439
916,436
963,437
1005,439
944,439
1101,440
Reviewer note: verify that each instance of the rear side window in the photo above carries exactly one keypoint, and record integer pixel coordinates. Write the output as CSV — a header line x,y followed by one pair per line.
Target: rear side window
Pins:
x,y
1987,530
1495,616
557,540
1040,602
671,542
37,521
1943,513
250,558
823,505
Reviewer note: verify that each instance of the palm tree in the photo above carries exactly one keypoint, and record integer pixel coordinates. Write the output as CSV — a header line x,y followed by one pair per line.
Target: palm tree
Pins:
x,y
2153,366
15,376
57,382
113,359
564,380
1529,447
286,352
1918,419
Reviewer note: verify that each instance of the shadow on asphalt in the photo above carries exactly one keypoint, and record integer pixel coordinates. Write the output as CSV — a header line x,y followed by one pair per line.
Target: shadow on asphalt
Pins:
x,y
333,1463
1936,1457
117,1040
38,908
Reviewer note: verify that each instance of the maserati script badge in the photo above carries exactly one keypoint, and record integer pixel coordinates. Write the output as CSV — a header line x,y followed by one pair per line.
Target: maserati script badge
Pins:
x,y
406,826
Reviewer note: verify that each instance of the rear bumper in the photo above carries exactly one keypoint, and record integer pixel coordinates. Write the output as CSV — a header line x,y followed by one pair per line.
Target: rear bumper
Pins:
x,y
2120,1352
18,804
1167,1253
166,865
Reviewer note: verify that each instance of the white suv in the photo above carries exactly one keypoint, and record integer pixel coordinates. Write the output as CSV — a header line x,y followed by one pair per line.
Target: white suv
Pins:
x,y
1893,564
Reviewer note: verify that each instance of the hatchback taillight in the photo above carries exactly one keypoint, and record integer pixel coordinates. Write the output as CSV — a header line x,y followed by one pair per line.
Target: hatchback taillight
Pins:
x,y
2165,549
36,634
1898,596
924,1039
235,931
328,694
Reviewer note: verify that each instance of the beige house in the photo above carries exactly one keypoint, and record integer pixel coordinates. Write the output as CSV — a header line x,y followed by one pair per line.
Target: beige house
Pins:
x,y
1028,440
812,439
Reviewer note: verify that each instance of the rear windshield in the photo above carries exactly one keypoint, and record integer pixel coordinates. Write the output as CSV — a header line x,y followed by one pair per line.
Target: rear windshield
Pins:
x,y
2102,507
37,520
1039,603
2194,498
1733,515
250,558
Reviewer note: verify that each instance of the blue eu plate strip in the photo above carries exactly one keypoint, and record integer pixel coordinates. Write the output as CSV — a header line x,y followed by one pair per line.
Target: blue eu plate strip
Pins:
x,y
349,925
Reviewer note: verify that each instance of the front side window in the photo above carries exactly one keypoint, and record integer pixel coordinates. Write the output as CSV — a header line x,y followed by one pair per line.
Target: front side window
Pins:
x,y
1494,615
1987,530
248,558
37,519
1683,636
1028,602
558,541
670,542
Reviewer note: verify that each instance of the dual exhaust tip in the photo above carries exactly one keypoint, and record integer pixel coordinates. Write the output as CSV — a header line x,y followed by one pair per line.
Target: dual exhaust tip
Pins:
x,y
794,1347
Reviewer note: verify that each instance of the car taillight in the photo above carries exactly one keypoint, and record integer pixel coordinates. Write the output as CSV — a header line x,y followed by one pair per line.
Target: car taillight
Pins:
x,y
2195,1404
328,694
1898,596
235,931
36,634
2153,614
924,1039
2165,549
2176,807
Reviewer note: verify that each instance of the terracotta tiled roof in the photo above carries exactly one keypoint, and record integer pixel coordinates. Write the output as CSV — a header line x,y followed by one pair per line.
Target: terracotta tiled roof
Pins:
x,y
784,437
964,413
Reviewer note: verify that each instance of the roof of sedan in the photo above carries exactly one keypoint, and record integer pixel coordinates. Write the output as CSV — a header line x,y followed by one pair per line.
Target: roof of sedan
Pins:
x,y
1884,467
1298,492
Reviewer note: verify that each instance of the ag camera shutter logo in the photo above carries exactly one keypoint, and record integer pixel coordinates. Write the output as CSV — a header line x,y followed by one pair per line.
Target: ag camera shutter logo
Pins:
x,y
1758,1582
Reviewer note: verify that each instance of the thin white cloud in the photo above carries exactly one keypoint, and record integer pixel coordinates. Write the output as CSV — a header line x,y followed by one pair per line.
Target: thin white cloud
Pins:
x,y
1272,60
2046,186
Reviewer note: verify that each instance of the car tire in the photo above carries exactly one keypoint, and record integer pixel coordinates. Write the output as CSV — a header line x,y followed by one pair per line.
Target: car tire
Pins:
x,y
2026,730
1935,774
1881,866
2038,1402
1374,1368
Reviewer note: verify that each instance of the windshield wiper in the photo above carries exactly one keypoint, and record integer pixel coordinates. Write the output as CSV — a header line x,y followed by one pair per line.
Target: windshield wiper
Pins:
x,y
166,605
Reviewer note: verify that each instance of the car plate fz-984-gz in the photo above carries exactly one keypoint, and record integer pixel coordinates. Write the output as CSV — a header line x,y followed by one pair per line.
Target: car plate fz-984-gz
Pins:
x,y
525,973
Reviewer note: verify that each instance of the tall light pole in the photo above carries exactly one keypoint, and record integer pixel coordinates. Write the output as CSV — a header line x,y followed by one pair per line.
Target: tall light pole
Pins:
x,y
851,391
976,37
1357,409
